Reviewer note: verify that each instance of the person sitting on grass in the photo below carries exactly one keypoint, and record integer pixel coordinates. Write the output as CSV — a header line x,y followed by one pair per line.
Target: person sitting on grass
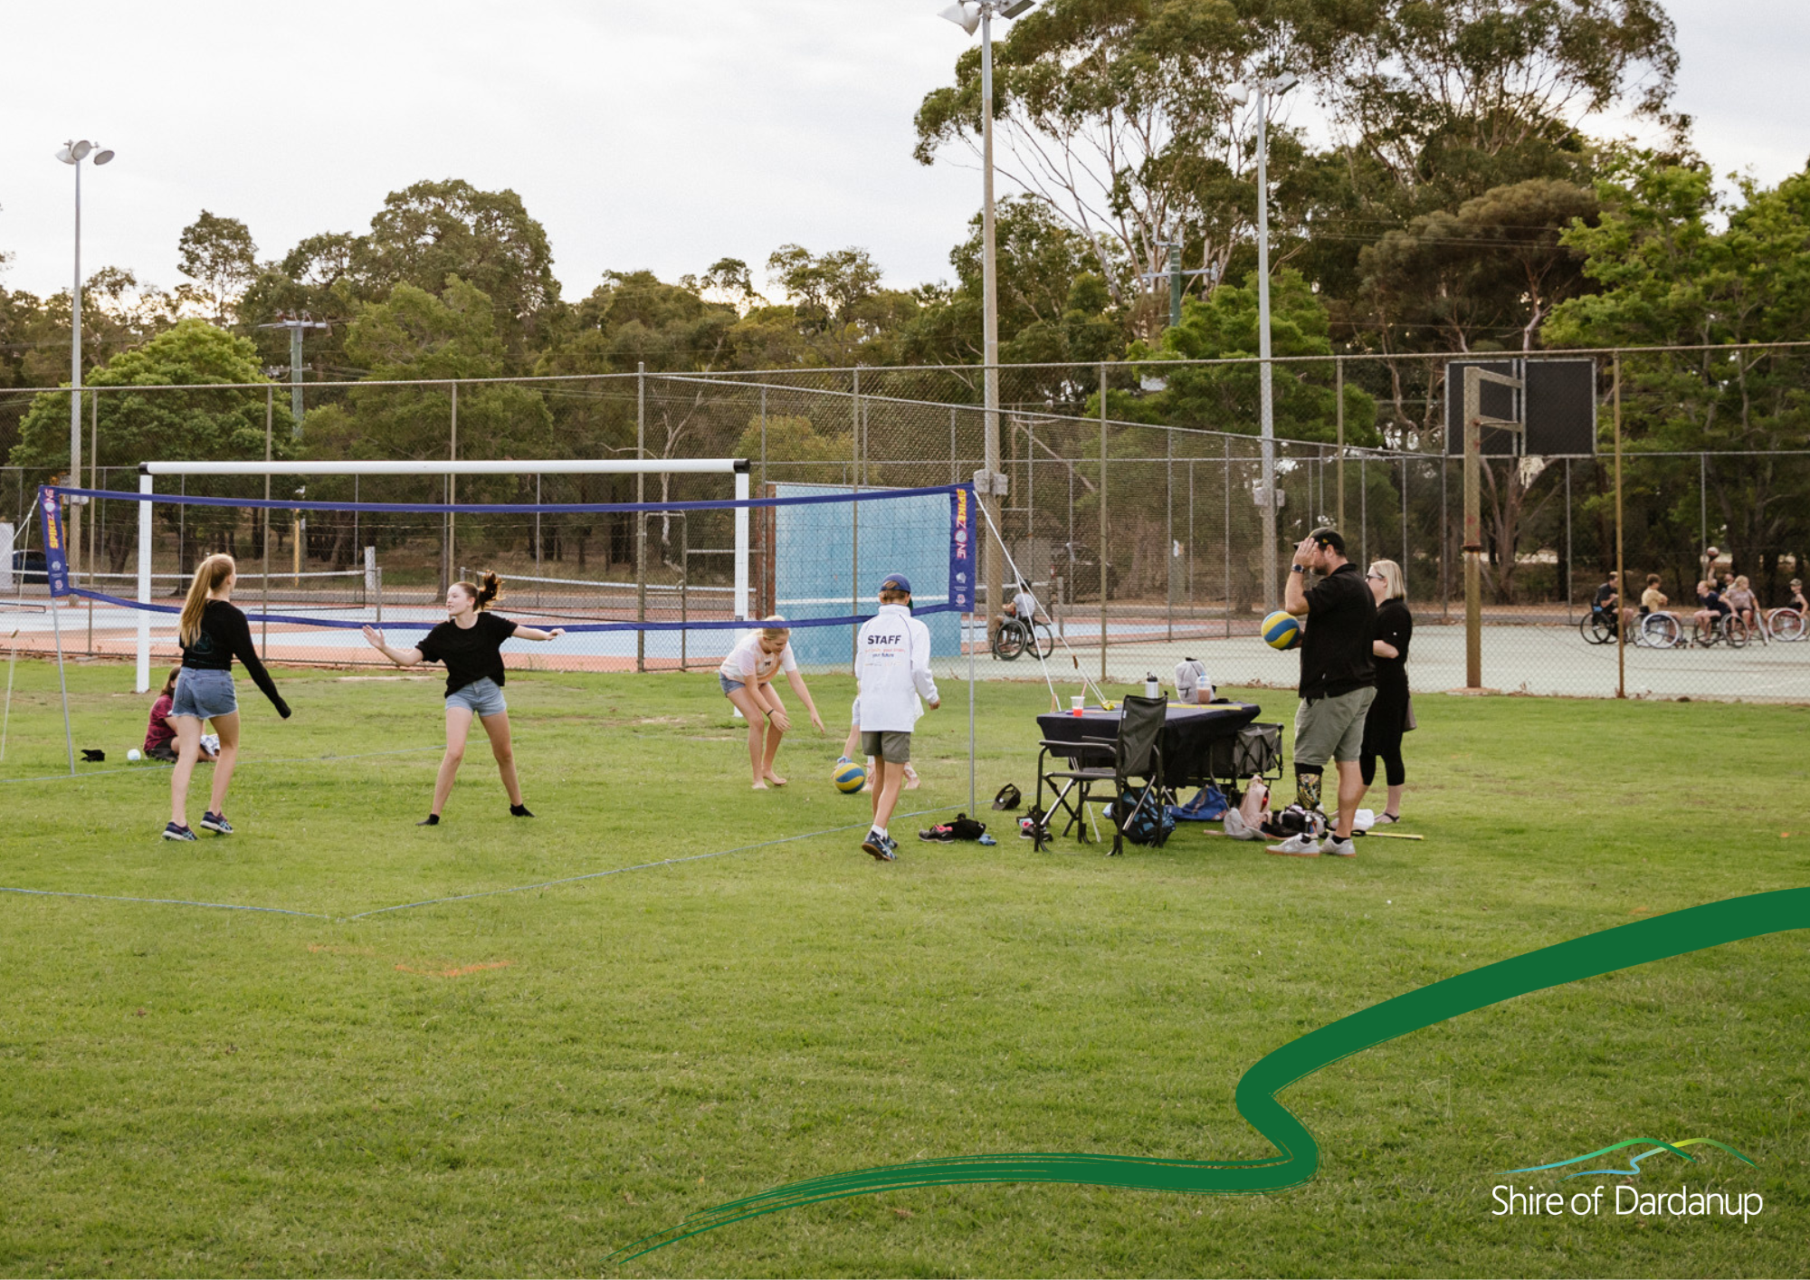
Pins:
x,y
746,677
160,732
892,666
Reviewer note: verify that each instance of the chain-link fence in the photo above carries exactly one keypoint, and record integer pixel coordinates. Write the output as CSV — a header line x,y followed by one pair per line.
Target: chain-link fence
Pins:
x,y
1134,508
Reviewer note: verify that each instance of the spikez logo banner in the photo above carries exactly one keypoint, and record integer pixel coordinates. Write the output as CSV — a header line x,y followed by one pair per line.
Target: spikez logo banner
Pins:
x,y
961,549
56,560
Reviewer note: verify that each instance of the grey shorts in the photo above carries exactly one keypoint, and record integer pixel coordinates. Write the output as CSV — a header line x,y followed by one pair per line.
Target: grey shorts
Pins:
x,y
482,698
1331,728
890,746
204,694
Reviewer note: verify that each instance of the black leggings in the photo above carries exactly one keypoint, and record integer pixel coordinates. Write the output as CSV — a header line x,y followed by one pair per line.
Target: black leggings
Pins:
x,y
1394,770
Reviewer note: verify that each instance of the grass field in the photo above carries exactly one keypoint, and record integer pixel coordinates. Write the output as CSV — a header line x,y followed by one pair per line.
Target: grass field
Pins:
x,y
521,1083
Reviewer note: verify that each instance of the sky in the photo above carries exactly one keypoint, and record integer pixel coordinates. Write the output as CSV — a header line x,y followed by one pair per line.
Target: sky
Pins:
x,y
661,136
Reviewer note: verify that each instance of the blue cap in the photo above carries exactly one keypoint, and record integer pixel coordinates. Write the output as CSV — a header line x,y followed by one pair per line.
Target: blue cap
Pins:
x,y
896,582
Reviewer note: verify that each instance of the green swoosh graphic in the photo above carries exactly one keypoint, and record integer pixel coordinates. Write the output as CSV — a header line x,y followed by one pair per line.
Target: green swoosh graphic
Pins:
x,y
1676,1148
1624,947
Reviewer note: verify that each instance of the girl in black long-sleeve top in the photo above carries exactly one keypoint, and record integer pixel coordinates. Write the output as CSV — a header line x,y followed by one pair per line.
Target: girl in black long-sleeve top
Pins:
x,y
212,633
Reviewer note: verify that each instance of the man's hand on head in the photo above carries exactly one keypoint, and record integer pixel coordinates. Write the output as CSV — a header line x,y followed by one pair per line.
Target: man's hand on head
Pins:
x,y
1307,552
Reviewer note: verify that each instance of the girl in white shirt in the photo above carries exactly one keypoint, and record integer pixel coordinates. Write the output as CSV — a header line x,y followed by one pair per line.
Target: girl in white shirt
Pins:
x,y
747,679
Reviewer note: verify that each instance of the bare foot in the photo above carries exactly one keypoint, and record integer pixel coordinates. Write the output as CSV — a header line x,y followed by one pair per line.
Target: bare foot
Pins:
x,y
776,780
760,786
912,781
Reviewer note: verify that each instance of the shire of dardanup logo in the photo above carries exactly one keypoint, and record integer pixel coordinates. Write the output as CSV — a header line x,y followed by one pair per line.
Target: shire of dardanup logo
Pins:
x,y
1633,1168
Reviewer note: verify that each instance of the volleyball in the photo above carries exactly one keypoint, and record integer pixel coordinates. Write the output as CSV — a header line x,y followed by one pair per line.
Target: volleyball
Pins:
x,y
133,755
1281,630
849,776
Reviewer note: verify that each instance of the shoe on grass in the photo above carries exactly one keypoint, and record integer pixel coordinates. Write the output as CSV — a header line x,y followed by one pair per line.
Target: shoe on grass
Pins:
x,y
519,811
944,834
879,848
1297,846
217,823
1337,848
175,831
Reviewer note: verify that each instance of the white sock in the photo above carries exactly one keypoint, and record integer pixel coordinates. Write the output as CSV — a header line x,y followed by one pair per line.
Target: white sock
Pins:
x,y
882,833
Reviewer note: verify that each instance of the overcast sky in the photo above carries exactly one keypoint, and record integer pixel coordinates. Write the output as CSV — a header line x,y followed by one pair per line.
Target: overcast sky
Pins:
x,y
642,135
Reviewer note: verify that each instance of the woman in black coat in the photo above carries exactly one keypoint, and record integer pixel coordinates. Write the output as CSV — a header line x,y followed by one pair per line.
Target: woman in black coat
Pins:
x,y
1391,714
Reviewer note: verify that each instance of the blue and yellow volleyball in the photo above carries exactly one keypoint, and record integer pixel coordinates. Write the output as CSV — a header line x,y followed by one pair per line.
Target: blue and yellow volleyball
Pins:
x,y
849,776
1281,630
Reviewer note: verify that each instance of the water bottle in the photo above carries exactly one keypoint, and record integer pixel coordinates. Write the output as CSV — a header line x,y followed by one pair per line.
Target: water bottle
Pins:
x,y
1150,686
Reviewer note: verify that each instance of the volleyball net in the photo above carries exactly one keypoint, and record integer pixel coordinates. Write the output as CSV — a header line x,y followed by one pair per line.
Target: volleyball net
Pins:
x,y
666,582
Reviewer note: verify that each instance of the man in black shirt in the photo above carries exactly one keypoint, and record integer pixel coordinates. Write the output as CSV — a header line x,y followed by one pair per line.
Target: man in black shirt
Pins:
x,y
1338,683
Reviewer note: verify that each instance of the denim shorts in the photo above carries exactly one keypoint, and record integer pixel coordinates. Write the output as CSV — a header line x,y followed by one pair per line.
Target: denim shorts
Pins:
x,y
729,686
204,694
482,698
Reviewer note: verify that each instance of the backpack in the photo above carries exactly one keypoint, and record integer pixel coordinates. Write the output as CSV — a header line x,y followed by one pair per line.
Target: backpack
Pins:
x,y
1208,805
1151,824
1293,821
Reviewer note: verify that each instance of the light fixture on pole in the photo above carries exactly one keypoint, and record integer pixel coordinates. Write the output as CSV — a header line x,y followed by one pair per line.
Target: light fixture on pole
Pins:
x,y
296,323
73,153
972,16
1239,94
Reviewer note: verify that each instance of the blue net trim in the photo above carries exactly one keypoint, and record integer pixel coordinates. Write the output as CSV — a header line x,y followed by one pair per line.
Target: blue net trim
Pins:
x,y
513,508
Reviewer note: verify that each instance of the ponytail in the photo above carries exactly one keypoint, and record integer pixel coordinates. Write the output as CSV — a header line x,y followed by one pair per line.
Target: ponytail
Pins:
x,y
209,574
484,596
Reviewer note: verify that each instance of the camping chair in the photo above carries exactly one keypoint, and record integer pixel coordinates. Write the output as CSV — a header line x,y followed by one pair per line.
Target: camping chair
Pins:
x,y
1135,753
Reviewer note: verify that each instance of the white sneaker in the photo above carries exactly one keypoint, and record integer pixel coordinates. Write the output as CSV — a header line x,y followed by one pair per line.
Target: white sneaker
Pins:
x,y
1298,846
1337,848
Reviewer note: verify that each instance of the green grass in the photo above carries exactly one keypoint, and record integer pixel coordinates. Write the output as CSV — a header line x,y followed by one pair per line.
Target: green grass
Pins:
x,y
197,1091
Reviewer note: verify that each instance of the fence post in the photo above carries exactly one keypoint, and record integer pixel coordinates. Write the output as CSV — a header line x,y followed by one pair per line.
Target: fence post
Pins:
x,y
1567,541
854,516
1227,441
452,481
1169,556
1338,381
94,482
640,516
1621,631
1102,553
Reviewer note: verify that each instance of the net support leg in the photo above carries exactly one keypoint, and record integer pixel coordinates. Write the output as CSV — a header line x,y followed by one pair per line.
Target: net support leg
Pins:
x,y
142,684
56,626
742,609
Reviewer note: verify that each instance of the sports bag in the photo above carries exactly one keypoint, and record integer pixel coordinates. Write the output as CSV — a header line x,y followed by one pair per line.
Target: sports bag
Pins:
x,y
1151,824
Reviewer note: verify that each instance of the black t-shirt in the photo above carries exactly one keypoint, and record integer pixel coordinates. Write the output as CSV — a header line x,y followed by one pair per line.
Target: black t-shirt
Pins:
x,y
1335,645
226,635
1604,594
1394,626
470,653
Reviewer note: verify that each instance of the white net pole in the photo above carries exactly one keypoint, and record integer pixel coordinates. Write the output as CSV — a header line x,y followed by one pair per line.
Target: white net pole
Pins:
x,y
742,609
142,682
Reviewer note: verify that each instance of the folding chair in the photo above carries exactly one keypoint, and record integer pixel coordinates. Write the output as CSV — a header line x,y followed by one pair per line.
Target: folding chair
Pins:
x,y
1134,753
1138,753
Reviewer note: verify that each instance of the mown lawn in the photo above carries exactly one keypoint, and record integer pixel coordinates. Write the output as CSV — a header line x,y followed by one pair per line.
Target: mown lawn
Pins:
x,y
522,1082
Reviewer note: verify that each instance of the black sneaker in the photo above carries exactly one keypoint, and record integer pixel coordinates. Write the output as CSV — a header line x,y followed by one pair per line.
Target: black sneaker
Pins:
x,y
944,834
519,811
173,832
217,823
432,820
879,847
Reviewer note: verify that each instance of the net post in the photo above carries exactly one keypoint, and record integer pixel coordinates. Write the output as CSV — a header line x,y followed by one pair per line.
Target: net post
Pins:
x,y
742,548
142,682
640,516
270,394
56,626
373,592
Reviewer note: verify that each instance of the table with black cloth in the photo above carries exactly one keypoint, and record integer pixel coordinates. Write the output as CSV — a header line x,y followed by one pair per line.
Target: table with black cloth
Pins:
x,y
1189,733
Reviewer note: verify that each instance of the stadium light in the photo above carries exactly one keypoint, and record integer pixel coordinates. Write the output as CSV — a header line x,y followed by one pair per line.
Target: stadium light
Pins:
x,y
972,15
73,153
1263,91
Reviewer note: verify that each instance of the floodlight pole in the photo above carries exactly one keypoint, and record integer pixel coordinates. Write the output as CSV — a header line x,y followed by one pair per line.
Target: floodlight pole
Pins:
x,y
990,331
75,388
1266,393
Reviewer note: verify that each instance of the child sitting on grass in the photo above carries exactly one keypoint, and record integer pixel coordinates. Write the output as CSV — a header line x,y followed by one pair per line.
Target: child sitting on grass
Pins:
x,y
160,733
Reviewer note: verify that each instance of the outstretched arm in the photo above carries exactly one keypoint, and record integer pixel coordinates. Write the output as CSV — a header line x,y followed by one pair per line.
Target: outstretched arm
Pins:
x,y
804,696
535,633
401,657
